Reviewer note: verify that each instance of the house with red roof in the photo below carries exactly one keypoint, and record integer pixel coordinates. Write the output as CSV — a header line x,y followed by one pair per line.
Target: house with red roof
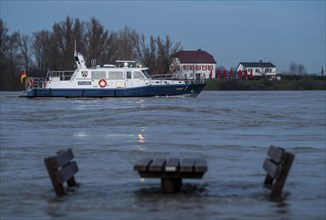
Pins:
x,y
194,63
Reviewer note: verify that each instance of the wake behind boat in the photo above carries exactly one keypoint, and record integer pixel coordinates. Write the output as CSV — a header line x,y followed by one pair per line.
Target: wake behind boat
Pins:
x,y
109,81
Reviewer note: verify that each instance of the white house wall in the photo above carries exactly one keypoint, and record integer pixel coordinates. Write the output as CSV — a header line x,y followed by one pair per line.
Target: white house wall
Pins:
x,y
272,71
207,70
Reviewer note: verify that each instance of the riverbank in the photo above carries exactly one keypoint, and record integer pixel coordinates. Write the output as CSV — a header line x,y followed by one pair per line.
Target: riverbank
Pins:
x,y
286,83
294,83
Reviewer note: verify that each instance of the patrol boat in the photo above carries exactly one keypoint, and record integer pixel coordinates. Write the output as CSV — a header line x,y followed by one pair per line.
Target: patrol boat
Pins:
x,y
109,81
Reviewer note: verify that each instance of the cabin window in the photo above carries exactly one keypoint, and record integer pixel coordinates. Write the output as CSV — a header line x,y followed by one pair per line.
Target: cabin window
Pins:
x,y
98,75
116,75
138,75
128,75
146,74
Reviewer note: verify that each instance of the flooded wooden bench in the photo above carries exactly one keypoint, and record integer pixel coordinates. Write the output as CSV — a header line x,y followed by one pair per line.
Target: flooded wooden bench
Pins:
x,y
171,171
277,166
61,168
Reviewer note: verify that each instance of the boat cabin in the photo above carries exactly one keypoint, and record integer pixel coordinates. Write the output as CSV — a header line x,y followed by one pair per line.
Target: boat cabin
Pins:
x,y
106,76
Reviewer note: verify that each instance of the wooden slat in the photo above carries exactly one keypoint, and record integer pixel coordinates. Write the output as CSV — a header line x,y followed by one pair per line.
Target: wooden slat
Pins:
x,y
200,166
187,165
276,153
62,158
67,172
172,165
143,164
157,165
272,168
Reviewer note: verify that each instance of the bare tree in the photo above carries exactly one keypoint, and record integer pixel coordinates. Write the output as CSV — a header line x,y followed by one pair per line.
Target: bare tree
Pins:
x,y
62,46
301,69
166,51
95,40
297,69
127,39
147,54
293,68
174,66
110,50
5,43
25,51
79,35
9,45
40,46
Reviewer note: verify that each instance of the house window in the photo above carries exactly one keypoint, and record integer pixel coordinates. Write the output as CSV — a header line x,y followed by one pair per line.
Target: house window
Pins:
x,y
257,70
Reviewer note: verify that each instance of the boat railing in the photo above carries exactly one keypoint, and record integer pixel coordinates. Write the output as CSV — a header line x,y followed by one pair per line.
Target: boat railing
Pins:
x,y
59,75
189,80
35,82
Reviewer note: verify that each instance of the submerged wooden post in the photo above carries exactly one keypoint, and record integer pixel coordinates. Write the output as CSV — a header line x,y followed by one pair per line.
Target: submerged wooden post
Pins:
x,y
171,185
61,168
277,166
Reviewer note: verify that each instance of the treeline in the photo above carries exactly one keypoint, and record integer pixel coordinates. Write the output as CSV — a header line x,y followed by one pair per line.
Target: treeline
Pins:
x,y
53,50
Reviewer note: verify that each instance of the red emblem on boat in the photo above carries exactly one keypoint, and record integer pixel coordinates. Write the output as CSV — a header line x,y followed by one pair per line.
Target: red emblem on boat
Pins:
x,y
84,74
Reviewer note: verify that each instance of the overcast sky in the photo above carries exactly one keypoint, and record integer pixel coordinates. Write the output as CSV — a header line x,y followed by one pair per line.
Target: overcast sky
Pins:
x,y
280,32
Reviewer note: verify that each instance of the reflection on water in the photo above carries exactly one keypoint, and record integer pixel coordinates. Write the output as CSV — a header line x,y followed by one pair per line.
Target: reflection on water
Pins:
x,y
231,130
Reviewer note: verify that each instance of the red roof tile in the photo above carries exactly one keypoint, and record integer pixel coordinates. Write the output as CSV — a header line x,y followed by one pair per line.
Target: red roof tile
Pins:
x,y
195,56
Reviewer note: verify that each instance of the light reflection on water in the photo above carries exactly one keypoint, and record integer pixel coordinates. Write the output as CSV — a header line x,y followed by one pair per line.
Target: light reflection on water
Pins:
x,y
231,130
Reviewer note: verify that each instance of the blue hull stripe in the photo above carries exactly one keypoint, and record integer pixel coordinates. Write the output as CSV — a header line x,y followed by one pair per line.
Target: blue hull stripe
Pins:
x,y
166,90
